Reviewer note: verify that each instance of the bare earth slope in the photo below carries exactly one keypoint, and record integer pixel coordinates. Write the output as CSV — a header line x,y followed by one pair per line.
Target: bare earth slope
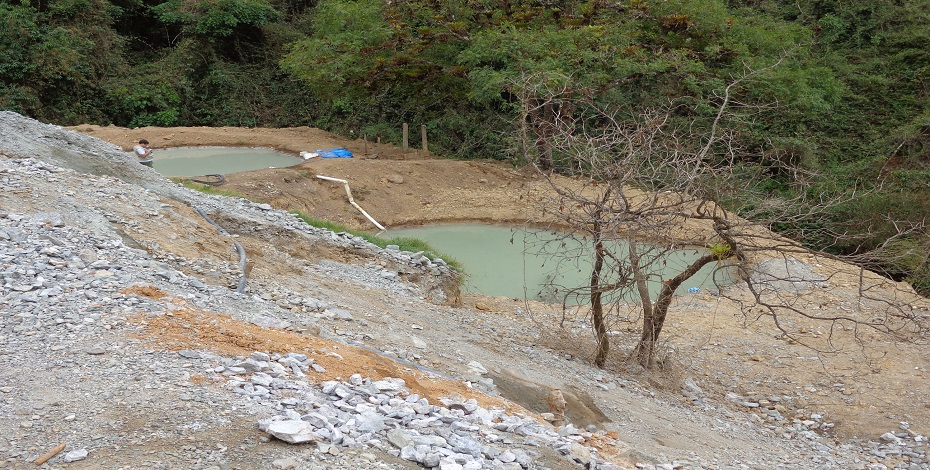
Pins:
x,y
394,187
734,396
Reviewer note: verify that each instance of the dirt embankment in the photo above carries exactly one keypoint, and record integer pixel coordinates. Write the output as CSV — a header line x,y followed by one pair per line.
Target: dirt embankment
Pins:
x,y
394,186
866,389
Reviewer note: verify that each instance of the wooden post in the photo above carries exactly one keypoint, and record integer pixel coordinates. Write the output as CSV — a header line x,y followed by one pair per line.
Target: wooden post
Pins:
x,y
365,138
423,137
405,136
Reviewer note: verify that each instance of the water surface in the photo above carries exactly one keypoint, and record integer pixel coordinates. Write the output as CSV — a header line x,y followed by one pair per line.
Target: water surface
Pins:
x,y
537,264
197,161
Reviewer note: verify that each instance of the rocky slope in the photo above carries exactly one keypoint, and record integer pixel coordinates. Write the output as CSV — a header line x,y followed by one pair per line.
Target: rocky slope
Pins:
x,y
123,338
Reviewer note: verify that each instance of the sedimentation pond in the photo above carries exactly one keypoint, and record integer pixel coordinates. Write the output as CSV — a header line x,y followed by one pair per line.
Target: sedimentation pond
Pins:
x,y
540,264
514,262
197,161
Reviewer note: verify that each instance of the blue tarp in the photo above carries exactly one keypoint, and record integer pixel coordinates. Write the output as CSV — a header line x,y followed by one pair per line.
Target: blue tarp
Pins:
x,y
334,153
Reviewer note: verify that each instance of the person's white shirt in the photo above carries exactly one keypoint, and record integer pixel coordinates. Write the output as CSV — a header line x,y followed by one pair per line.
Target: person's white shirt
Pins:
x,y
141,151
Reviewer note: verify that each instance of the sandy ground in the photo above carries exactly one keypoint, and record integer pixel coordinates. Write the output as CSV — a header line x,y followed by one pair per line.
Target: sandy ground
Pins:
x,y
866,387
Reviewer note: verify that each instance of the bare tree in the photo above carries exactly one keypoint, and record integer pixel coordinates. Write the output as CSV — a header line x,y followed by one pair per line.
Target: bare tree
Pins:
x,y
650,183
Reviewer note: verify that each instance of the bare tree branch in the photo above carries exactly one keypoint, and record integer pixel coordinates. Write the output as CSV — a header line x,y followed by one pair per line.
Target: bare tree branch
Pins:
x,y
646,186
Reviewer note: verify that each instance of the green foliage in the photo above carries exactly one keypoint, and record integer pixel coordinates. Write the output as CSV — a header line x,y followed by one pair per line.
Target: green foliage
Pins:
x,y
334,57
416,245
380,65
50,62
206,188
17,98
141,104
911,180
591,55
454,65
19,34
325,224
216,18
720,251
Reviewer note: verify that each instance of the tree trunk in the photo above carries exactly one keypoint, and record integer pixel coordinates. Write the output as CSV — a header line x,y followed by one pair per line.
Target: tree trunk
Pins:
x,y
645,351
597,308
642,288
544,129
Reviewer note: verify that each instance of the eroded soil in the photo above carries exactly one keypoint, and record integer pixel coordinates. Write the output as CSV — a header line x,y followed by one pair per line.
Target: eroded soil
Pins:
x,y
866,387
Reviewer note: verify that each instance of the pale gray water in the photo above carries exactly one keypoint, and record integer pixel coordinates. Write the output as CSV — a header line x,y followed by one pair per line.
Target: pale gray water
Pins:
x,y
511,262
197,161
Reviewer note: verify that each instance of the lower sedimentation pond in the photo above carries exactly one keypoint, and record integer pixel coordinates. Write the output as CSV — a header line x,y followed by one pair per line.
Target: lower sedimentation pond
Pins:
x,y
540,264
196,161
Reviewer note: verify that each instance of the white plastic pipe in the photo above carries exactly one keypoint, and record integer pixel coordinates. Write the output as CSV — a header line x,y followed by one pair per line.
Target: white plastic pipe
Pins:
x,y
351,200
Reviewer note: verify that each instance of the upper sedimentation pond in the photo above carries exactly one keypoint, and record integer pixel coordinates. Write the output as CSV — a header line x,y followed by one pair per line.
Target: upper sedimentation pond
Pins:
x,y
197,161
540,264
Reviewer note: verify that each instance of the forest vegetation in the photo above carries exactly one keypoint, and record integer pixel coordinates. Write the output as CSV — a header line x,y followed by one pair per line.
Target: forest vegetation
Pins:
x,y
839,99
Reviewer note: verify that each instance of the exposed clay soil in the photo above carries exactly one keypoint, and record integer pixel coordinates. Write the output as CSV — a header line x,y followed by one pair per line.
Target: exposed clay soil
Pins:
x,y
190,327
867,389
395,187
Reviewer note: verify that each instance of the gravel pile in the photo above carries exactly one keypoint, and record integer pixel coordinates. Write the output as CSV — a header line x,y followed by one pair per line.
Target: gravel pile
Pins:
x,y
66,366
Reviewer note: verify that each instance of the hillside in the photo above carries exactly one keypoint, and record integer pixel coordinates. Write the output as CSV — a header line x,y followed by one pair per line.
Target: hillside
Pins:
x,y
121,336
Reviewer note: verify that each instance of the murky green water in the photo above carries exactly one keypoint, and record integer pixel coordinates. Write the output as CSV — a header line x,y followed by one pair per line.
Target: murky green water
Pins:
x,y
518,263
197,161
